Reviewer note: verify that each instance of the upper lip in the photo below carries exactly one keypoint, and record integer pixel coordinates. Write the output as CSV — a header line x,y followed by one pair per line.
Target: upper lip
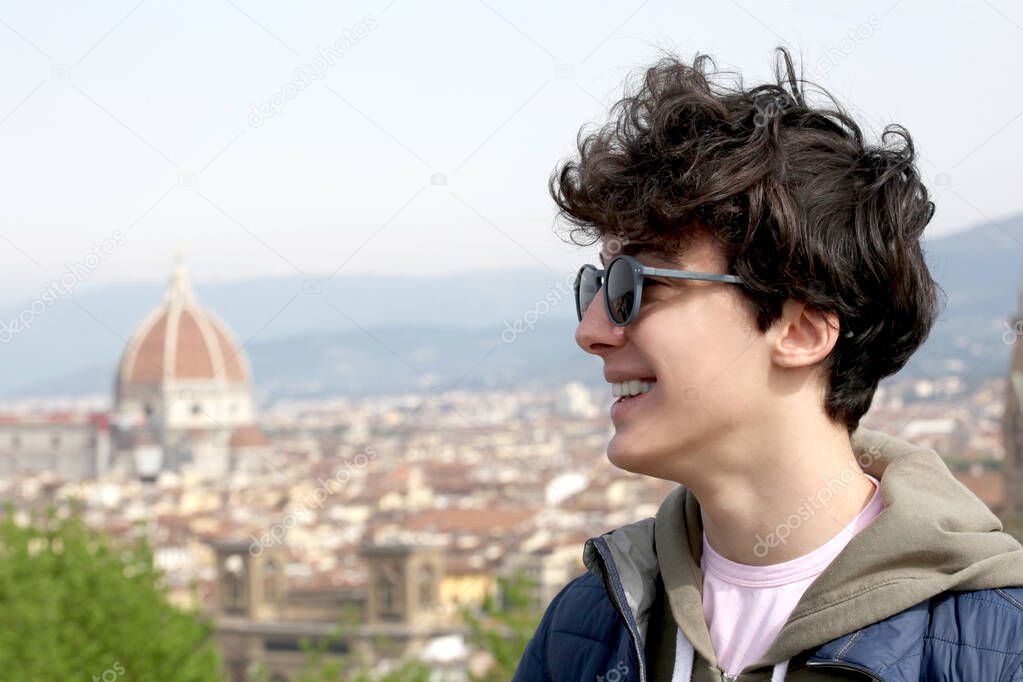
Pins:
x,y
621,377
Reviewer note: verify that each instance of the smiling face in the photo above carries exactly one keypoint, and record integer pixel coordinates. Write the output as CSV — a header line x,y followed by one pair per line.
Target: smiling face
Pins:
x,y
698,340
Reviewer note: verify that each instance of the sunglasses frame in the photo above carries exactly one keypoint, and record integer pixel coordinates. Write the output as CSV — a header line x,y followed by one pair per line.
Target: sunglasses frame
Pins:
x,y
639,273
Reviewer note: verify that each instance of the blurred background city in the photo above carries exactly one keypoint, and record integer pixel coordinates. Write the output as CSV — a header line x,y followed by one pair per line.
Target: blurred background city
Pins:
x,y
288,383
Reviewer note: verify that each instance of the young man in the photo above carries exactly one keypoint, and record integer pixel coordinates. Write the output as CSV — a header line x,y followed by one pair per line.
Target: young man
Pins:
x,y
761,272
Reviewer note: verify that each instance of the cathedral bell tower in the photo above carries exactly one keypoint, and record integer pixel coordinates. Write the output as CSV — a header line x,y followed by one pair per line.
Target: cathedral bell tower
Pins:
x,y
1012,420
404,584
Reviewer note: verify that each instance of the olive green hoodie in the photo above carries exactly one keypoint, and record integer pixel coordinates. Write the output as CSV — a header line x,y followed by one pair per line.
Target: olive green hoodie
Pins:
x,y
933,535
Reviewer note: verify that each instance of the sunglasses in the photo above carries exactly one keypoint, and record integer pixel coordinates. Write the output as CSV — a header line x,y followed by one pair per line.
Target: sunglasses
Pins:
x,y
623,286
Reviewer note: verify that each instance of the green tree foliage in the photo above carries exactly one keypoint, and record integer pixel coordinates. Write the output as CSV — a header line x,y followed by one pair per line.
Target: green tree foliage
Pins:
x,y
76,605
504,625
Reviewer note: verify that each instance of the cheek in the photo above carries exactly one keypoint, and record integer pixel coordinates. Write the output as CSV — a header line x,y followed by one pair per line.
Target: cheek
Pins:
x,y
707,348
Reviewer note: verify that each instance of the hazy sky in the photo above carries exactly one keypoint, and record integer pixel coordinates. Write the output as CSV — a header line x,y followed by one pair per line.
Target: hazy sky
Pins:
x,y
134,122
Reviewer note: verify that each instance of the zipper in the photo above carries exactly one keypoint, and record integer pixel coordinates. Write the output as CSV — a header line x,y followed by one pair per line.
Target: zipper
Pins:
x,y
611,586
845,666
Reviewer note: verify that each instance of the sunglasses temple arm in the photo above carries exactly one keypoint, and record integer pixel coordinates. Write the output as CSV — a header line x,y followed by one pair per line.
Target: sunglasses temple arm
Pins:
x,y
686,274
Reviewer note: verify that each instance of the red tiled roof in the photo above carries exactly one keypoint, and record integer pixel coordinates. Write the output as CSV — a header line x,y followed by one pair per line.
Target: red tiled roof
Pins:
x,y
989,486
470,520
248,436
181,340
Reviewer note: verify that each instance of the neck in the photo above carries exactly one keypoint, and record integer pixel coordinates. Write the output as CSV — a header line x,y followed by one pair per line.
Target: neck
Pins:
x,y
782,497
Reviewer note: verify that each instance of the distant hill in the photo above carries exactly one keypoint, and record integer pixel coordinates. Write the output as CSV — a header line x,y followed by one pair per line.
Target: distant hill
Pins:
x,y
407,358
290,326
360,335
980,270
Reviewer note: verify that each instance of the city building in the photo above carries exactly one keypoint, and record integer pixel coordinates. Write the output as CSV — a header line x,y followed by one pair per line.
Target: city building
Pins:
x,y
182,402
396,613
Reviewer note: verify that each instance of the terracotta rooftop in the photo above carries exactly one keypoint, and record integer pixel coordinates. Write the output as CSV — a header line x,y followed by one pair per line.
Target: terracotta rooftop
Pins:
x,y
181,340
247,437
989,486
469,520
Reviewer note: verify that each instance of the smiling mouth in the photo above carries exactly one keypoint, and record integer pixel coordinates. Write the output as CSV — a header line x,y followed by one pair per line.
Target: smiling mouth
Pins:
x,y
629,390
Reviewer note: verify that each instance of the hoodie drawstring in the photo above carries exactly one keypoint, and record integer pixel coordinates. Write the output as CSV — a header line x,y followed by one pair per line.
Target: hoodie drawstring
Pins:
x,y
778,675
684,655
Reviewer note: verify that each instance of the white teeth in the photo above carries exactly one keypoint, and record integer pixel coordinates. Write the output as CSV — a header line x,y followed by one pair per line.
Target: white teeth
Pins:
x,y
631,388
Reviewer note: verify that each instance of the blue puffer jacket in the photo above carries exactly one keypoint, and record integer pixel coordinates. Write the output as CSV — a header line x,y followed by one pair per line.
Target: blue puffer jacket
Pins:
x,y
959,636
931,590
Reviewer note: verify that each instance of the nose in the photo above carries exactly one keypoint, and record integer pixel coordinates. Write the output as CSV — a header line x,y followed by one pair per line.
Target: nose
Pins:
x,y
596,333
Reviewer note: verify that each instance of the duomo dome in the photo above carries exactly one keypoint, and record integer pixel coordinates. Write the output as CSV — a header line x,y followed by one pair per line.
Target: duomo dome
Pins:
x,y
185,380
181,341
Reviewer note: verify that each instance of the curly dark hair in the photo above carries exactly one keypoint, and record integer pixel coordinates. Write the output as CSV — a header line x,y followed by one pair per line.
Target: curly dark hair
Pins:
x,y
803,207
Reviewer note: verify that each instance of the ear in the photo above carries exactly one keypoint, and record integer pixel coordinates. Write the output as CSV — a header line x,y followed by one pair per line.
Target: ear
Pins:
x,y
803,335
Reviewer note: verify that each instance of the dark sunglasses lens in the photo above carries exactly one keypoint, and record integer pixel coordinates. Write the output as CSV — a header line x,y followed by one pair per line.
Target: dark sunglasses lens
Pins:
x,y
587,286
621,290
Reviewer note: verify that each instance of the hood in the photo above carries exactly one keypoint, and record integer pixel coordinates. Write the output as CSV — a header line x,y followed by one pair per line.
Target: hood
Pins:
x,y
933,535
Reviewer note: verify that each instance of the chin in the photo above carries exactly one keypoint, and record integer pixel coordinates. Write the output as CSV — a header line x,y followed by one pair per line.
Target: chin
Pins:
x,y
664,459
630,458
